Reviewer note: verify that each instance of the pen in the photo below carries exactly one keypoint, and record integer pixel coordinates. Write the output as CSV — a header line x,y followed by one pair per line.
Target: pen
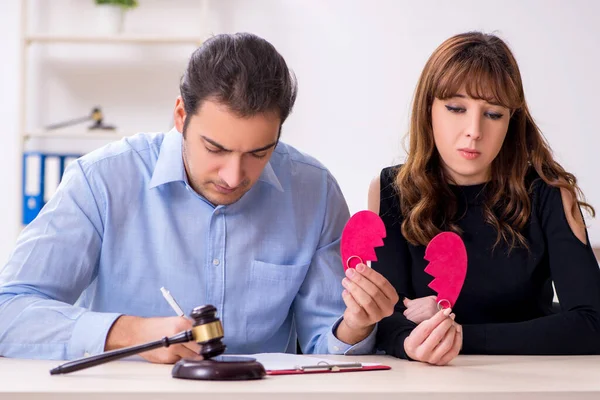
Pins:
x,y
167,295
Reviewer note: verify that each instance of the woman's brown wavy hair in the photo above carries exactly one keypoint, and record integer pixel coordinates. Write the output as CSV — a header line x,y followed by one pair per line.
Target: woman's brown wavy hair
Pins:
x,y
482,65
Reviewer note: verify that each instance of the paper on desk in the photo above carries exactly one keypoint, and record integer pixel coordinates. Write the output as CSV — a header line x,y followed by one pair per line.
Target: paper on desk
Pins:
x,y
286,361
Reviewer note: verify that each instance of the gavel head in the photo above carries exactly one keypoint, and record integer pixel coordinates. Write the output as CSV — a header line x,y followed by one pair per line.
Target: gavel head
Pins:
x,y
207,331
97,115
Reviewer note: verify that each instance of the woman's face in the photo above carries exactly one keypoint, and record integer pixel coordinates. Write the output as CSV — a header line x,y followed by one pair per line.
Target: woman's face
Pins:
x,y
468,135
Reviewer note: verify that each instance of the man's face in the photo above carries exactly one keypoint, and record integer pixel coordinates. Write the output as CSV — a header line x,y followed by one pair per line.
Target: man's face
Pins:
x,y
224,155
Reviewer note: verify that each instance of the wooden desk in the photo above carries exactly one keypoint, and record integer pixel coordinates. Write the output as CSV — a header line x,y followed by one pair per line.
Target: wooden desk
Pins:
x,y
474,377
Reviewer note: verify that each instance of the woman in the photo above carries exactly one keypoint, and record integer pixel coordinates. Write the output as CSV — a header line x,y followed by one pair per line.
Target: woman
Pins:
x,y
478,165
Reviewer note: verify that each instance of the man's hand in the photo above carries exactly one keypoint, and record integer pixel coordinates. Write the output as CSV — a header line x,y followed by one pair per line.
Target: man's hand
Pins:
x,y
436,340
129,331
369,298
421,309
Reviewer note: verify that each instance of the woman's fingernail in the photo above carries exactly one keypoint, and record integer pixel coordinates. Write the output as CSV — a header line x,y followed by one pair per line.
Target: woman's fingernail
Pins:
x,y
350,272
447,311
360,267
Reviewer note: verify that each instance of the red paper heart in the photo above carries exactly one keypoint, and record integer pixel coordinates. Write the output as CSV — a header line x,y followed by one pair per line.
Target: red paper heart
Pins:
x,y
362,233
447,258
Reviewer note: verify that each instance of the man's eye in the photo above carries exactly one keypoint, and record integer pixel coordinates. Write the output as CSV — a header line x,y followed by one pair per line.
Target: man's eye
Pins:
x,y
216,151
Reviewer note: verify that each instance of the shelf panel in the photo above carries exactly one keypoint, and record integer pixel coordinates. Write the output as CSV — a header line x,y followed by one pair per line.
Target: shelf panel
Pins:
x,y
78,135
111,39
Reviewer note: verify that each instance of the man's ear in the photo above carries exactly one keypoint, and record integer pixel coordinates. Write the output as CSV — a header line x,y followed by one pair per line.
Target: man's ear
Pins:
x,y
179,114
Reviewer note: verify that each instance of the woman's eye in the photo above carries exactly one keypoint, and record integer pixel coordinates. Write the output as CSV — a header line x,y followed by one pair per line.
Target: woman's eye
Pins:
x,y
455,109
494,116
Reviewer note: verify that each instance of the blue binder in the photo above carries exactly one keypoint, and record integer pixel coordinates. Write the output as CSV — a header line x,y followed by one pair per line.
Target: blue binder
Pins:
x,y
38,167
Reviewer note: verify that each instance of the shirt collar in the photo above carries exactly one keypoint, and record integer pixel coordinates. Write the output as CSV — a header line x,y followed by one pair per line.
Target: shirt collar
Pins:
x,y
169,166
268,176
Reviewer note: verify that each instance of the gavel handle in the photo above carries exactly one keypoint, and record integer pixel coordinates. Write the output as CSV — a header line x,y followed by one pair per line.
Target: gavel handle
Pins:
x,y
68,123
92,361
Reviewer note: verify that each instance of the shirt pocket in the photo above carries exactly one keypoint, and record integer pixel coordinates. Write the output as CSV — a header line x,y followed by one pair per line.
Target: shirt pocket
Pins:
x,y
273,288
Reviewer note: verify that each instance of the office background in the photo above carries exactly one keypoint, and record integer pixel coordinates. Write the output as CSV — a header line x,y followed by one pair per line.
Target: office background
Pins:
x,y
357,64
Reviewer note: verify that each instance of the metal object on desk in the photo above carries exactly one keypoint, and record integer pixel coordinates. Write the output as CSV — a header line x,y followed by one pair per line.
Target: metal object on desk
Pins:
x,y
207,331
329,367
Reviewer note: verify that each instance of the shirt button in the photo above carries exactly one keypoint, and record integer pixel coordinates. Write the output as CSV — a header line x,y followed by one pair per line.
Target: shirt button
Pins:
x,y
217,212
216,261
86,354
336,348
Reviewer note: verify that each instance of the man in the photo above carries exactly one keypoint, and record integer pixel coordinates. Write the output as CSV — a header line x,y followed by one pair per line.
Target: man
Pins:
x,y
221,213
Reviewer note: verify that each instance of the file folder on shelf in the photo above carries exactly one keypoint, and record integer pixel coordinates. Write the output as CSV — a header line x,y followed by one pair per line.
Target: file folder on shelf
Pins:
x,y
42,173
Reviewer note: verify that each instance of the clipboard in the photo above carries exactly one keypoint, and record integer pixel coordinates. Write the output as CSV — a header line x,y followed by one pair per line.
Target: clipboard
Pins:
x,y
334,367
294,364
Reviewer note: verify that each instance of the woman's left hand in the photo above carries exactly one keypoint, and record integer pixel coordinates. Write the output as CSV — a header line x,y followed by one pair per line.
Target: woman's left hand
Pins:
x,y
421,309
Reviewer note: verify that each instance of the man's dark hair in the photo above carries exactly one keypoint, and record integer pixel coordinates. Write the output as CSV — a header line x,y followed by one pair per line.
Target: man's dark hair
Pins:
x,y
241,71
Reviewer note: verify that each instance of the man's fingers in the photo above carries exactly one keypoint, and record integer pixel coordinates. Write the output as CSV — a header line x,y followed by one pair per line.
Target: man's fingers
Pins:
x,y
184,352
368,287
380,281
384,305
352,305
193,346
368,303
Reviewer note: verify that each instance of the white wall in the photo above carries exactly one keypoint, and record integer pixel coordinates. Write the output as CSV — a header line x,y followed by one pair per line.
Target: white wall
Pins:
x,y
9,107
357,64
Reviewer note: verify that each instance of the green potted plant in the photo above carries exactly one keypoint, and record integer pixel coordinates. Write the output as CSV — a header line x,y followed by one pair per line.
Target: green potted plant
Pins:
x,y
122,3
111,14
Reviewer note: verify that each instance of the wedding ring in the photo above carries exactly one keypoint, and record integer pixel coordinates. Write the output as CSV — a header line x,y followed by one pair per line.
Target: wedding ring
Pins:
x,y
350,258
442,303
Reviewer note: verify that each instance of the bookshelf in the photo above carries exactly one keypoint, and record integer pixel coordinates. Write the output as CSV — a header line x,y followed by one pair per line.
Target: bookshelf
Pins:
x,y
57,147
79,135
111,39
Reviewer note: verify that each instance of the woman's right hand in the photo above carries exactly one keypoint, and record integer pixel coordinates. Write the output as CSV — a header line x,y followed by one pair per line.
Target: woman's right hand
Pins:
x,y
437,340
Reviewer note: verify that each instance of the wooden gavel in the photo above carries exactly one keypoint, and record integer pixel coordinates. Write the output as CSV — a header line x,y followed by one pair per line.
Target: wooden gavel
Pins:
x,y
206,331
